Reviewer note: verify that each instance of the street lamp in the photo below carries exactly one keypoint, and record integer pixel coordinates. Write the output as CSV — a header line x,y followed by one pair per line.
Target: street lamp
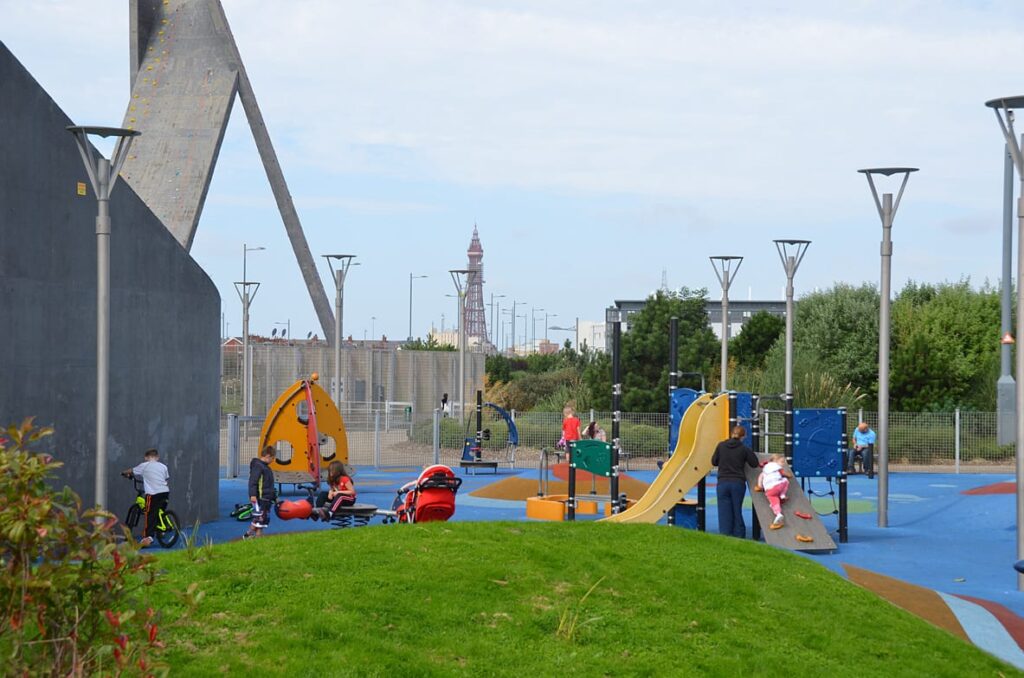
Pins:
x,y
533,326
373,331
886,212
242,288
548,316
571,328
288,331
725,272
102,175
1004,109
460,276
494,329
411,278
338,275
791,252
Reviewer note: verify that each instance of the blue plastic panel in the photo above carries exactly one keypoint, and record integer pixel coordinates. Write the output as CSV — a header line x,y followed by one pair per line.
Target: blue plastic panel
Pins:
x,y
679,401
817,442
744,405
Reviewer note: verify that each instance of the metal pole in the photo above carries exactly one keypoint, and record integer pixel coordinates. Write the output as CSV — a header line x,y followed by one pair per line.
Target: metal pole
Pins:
x,y
1019,390
246,359
790,270
233,444
1005,389
613,482
843,480
883,364
725,328
376,439
956,444
462,354
437,436
339,284
102,329
410,307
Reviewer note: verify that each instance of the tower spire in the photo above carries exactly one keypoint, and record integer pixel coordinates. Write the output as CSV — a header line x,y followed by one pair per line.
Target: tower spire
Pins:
x,y
476,318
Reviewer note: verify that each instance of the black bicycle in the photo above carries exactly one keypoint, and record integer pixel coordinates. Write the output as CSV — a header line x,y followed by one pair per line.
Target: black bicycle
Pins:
x,y
167,530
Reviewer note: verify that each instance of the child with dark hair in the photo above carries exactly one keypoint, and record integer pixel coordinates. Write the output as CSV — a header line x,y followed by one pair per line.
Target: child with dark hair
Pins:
x,y
261,491
340,491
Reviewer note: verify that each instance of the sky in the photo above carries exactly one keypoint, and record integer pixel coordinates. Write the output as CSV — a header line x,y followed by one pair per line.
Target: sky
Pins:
x,y
598,146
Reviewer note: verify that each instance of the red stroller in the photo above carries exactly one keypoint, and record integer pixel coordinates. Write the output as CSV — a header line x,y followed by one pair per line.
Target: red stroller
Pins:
x,y
430,498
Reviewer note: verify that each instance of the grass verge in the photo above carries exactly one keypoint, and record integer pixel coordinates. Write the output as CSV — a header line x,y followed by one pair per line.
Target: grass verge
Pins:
x,y
539,599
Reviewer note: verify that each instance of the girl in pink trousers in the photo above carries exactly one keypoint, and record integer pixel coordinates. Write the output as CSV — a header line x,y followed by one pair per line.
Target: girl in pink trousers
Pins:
x,y
774,481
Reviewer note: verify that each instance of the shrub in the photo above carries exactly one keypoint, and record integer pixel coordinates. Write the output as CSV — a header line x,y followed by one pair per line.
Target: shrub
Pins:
x,y
72,600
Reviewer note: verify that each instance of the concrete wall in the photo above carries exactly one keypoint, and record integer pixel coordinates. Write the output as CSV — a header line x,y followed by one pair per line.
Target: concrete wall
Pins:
x,y
165,314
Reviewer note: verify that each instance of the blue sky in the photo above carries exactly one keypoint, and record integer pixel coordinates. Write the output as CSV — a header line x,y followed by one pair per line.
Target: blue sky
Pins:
x,y
593,143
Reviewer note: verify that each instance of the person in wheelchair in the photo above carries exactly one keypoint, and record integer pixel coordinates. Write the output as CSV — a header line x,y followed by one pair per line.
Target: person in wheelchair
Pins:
x,y
863,447
340,492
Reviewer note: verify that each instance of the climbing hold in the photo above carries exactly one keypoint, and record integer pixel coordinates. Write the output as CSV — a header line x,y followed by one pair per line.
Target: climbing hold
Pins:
x,y
804,538
801,514
775,526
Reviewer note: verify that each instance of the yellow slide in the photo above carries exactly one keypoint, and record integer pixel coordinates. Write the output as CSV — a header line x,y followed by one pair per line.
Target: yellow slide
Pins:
x,y
704,425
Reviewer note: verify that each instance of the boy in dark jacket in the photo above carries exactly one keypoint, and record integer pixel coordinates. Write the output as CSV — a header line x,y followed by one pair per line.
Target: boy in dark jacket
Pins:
x,y
261,491
731,456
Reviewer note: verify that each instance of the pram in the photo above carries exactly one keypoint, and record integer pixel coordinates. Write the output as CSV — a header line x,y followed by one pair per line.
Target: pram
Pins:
x,y
430,498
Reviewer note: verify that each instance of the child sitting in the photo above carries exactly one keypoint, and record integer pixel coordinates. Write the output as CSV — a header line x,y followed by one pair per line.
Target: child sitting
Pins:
x,y
774,481
340,492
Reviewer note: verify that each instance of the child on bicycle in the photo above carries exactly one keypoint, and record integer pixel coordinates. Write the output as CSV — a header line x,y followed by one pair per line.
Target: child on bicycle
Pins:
x,y
340,491
154,483
261,491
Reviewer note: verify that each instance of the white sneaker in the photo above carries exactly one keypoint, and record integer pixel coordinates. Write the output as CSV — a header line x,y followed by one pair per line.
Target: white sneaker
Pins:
x,y
778,519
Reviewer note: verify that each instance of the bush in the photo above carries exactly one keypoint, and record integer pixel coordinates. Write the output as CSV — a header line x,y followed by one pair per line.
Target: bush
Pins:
x,y
73,600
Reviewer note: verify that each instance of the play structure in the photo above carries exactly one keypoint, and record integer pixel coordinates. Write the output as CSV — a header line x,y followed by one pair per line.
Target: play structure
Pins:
x,y
814,441
302,419
472,448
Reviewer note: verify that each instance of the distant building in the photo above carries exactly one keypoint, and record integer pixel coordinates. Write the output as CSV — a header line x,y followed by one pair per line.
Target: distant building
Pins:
x,y
740,311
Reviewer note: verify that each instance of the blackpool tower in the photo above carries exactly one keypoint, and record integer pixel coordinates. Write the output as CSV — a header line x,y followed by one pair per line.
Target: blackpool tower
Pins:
x,y
476,318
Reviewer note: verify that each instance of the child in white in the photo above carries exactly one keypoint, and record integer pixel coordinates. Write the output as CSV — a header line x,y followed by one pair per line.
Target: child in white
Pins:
x,y
774,481
155,484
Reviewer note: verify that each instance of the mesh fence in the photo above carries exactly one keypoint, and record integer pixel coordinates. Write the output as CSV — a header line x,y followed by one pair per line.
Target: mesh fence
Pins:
x,y
396,434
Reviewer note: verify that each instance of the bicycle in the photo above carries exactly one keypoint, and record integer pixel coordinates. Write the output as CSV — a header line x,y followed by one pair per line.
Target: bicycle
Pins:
x,y
167,526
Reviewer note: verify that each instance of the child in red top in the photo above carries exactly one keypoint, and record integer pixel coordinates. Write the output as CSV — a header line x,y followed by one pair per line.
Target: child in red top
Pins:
x,y
570,427
340,491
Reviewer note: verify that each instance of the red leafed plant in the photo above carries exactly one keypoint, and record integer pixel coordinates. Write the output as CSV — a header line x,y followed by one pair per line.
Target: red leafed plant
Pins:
x,y
72,588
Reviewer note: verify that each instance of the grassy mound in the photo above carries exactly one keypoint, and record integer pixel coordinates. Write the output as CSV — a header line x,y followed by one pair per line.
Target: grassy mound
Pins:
x,y
539,599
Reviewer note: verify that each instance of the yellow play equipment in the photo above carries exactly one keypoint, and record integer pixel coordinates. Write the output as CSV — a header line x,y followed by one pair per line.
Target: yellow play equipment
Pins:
x,y
704,425
304,417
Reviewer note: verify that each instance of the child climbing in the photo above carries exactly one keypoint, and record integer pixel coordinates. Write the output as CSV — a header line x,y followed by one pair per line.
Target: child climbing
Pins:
x,y
774,482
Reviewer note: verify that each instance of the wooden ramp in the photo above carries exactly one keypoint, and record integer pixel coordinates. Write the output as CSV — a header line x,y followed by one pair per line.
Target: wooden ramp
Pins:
x,y
796,501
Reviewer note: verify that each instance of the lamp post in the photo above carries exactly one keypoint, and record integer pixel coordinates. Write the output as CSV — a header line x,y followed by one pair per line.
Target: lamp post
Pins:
x,y
526,336
494,329
1004,110
791,252
533,326
338,274
572,328
886,212
288,331
411,278
548,316
102,176
373,330
242,288
459,278
1006,405
725,272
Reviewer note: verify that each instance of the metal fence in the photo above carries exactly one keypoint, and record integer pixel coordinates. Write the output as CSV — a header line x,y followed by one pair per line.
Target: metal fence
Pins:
x,y
395,434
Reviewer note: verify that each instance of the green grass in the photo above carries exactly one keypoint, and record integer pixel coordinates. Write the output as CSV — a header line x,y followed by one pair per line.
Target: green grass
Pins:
x,y
482,599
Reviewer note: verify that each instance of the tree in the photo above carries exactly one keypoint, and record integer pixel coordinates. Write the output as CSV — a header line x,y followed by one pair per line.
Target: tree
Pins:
x,y
644,361
945,353
431,344
759,333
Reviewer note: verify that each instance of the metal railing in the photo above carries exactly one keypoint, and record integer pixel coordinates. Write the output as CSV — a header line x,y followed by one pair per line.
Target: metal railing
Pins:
x,y
397,434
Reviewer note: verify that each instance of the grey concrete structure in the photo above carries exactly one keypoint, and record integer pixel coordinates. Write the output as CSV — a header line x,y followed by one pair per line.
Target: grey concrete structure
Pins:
x,y
165,314
186,69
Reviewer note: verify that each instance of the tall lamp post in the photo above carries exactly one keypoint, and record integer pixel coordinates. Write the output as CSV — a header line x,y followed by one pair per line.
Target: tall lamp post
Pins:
x,y
287,332
1004,110
102,176
886,212
460,276
725,272
533,326
572,328
791,252
1006,405
344,261
411,278
548,316
494,330
242,288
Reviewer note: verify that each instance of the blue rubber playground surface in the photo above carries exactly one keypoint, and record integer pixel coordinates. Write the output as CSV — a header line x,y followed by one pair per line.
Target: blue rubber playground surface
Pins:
x,y
938,537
